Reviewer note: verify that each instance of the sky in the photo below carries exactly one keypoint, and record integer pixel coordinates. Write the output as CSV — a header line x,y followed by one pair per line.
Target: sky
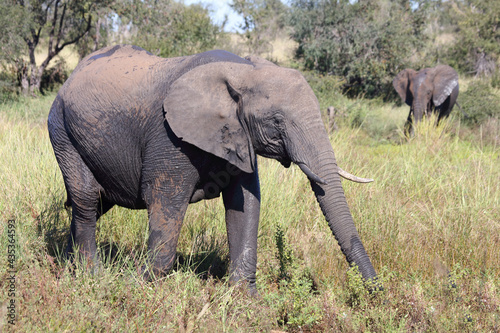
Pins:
x,y
218,9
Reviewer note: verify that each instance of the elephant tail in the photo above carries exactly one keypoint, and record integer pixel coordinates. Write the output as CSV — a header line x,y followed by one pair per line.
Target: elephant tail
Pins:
x,y
463,112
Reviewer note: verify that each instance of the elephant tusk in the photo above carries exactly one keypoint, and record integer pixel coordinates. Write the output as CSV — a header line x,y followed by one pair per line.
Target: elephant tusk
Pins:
x,y
347,175
311,175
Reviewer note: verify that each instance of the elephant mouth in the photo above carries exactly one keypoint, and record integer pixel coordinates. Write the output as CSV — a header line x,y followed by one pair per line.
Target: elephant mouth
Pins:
x,y
285,163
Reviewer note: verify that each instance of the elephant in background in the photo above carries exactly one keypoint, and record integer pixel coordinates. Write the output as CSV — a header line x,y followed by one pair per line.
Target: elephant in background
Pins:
x,y
143,132
428,90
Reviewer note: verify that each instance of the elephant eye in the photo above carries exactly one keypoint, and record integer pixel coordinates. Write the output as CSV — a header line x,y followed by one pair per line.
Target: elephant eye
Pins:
x,y
278,126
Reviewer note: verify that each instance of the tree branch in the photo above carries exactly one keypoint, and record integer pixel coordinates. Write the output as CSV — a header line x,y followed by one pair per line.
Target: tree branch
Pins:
x,y
53,27
77,38
61,21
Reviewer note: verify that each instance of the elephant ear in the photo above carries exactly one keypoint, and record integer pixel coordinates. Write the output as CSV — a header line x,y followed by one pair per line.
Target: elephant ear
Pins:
x,y
402,83
445,81
203,109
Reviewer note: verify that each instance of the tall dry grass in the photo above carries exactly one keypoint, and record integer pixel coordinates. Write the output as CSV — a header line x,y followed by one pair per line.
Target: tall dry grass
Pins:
x,y
430,223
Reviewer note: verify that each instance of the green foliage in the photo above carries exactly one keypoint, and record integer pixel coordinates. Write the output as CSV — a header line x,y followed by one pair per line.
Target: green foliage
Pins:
x,y
296,288
358,294
54,76
8,88
284,255
166,28
264,20
295,308
325,86
169,28
12,44
12,48
479,102
366,43
101,32
33,25
477,44
435,196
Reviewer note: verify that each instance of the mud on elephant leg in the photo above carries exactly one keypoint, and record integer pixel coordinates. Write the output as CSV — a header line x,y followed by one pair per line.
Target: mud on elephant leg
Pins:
x,y
85,212
166,215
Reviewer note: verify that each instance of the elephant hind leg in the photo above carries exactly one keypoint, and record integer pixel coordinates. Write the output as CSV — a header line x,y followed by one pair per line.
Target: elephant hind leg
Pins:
x,y
83,195
444,110
87,207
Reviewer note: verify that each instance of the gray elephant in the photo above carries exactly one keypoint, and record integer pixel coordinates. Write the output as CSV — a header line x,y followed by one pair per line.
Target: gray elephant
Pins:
x,y
428,90
143,132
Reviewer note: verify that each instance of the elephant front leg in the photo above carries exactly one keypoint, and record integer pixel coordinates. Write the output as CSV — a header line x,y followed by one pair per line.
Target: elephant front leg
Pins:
x,y
408,130
165,220
242,203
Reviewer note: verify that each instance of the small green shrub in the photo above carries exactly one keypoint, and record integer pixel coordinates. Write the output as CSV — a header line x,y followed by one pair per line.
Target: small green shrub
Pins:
x,y
295,297
358,294
8,87
297,306
284,255
479,102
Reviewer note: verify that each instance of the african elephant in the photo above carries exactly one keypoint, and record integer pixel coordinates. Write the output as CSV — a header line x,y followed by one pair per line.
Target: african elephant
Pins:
x,y
132,129
428,90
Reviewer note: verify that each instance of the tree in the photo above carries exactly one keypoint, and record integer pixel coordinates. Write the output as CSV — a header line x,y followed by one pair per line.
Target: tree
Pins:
x,y
12,45
477,46
169,28
365,42
263,21
58,23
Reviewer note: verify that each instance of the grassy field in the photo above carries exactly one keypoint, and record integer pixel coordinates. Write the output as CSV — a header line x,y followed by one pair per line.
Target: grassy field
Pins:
x,y
430,223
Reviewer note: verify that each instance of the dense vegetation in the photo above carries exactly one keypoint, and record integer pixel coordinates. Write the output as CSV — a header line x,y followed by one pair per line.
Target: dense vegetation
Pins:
x,y
365,43
430,221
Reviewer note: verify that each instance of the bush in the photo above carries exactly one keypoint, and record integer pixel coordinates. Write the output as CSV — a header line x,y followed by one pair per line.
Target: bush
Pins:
x,y
366,43
296,289
171,29
480,103
54,76
8,88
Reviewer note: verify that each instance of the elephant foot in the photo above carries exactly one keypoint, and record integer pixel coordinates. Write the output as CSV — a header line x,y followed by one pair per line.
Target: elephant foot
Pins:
x,y
150,273
84,263
246,287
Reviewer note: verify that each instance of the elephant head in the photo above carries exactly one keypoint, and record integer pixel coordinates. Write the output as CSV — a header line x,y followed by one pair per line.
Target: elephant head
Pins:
x,y
430,89
256,107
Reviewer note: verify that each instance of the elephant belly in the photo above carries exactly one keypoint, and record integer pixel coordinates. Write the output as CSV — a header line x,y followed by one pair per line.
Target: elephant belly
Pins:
x,y
118,171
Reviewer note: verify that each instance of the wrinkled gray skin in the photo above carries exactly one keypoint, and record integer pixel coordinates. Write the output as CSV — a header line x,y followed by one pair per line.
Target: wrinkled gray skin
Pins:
x,y
428,90
135,130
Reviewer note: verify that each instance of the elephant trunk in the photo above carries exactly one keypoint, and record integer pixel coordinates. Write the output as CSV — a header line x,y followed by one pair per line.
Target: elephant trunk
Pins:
x,y
320,159
419,110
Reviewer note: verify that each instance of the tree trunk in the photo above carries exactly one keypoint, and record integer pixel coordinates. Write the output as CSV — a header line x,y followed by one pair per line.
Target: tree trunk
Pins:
x,y
36,79
23,77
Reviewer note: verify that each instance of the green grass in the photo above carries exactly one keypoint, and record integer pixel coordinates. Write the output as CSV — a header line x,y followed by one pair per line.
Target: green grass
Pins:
x,y
430,223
